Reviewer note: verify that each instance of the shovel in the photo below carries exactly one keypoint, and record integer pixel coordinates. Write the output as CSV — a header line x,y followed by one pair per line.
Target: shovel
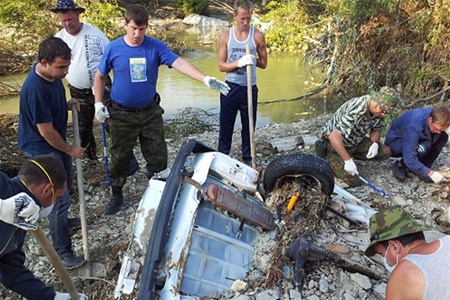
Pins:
x,y
81,189
56,262
381,191
251,127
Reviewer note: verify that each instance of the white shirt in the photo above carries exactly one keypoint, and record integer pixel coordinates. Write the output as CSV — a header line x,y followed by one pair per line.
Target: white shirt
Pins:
x,y
87,49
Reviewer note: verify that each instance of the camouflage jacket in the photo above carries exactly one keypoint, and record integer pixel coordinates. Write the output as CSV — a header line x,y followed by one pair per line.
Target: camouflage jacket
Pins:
x,y
354,121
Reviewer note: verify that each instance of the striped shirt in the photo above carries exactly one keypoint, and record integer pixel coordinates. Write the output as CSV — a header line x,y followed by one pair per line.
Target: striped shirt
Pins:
x,y
354,121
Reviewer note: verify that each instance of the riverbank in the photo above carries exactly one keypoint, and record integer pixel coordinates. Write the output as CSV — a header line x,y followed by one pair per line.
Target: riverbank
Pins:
x,y
109,235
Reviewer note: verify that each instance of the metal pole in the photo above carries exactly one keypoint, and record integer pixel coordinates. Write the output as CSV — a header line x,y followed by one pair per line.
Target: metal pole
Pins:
x,y
80,186
251,126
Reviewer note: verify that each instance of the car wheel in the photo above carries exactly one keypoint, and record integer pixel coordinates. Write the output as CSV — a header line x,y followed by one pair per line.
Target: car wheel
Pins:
x,y
311,170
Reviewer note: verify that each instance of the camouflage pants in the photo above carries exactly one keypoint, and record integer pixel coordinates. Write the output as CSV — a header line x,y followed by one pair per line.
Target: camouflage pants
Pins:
x,y
358,152
125,129
85,116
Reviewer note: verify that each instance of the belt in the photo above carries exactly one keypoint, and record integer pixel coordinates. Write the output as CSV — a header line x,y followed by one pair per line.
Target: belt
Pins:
x,y
84,91
149,106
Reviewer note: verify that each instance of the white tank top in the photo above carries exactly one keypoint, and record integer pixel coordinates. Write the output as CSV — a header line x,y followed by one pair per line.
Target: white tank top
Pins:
x,y
236,49
435,268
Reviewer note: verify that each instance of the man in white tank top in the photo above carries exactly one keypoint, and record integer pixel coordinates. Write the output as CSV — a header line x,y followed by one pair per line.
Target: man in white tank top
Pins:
x,y
420,269
233,60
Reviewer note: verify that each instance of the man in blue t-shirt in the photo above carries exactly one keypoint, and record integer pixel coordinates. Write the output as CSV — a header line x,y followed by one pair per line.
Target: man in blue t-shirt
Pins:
x,y
134,111
43,114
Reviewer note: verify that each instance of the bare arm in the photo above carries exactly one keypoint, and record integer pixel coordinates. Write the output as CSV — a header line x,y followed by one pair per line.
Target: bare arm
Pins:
x,y
375,136
261,49
335,138
224,65
99,86
188,69
52,136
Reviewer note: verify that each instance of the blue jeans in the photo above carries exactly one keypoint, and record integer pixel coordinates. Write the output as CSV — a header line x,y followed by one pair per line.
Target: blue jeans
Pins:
x,y
58,218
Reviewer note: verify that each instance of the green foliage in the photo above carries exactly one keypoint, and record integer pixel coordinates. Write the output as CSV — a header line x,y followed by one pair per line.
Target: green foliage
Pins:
x,y
106,16
192,6
29,18
288,28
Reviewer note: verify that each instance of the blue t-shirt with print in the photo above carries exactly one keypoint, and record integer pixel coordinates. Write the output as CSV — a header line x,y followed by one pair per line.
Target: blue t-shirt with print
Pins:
x,y
135,69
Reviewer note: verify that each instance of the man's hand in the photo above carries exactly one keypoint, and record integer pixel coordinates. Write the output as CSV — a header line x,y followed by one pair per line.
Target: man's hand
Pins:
x,y
66,296
247,59
373,150
436,177
19,210
101,112
350,167
215,84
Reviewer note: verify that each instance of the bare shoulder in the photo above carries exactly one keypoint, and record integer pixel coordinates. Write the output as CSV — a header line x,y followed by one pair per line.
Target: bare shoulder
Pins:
x,y
405,282
259,36
225,35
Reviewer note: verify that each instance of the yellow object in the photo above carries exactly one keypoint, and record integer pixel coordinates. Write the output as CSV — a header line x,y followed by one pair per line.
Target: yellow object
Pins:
x,y
292,202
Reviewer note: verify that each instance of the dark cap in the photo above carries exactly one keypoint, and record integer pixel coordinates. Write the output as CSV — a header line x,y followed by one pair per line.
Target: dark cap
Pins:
x,y
66,5
391,223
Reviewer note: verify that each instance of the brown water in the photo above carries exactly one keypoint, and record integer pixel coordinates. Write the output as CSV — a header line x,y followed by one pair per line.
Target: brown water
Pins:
x,y
284,78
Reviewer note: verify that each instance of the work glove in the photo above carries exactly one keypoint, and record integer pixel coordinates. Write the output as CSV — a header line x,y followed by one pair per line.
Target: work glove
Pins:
x,y
215,84
436,177
373,150
247,59
19,210
66,296
350,167
101,112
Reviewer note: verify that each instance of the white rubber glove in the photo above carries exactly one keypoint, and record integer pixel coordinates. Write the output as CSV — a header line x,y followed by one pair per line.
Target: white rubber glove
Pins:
x,y
19,210
215,84
66,296
101,112
437,177
350,167
247,59
373,150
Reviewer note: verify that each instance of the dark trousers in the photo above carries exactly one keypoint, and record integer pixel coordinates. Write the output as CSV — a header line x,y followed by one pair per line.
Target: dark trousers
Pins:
x,y
15,277
236,101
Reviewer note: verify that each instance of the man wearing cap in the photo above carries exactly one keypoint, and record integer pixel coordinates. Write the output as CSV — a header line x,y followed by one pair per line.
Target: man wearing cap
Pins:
x,y
87,44
345,134
420,270
417,137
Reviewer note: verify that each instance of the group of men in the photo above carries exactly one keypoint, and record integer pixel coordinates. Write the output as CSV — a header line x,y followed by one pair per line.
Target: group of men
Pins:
x,y
83,55
418,267
414,139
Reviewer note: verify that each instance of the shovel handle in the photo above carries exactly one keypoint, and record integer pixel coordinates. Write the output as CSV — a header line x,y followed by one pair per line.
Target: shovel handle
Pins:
x,y
56,262
381,191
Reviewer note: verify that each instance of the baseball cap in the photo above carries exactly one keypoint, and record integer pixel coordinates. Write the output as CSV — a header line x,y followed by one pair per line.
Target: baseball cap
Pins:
x,y
391,223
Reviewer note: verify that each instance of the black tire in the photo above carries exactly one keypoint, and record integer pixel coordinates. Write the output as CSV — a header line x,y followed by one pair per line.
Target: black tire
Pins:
x,y
311,169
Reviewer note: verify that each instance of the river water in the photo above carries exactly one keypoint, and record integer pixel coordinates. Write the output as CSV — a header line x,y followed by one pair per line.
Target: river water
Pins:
x,y
284,78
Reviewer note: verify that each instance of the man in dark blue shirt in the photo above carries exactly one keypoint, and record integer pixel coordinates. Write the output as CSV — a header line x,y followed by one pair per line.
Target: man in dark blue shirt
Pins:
x,y
43,115
418,137
23,199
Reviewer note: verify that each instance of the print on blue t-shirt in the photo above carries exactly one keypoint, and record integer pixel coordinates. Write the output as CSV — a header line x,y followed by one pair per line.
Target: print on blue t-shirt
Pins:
x,y
138,69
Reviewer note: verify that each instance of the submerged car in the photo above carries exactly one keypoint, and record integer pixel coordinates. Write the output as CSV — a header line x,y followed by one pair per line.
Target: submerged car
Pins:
x,y
194,229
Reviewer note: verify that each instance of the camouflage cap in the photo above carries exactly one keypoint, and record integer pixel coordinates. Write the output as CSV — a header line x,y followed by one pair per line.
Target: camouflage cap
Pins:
x,y
391,223
386,97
